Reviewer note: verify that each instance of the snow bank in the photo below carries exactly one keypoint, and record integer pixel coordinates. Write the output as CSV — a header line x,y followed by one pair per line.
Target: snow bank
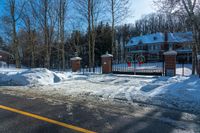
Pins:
x,y
180,92
39,76
187,69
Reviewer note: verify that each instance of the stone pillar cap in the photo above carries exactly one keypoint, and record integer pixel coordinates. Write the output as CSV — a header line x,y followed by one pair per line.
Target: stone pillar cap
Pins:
x,y
107,55
75,58
171,52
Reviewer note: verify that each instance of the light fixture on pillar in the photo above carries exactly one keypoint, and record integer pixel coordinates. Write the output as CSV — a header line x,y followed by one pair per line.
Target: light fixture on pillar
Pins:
x,y
76,54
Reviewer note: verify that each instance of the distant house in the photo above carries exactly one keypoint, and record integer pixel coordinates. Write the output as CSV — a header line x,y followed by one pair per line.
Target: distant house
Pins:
x,y
5,56
152,46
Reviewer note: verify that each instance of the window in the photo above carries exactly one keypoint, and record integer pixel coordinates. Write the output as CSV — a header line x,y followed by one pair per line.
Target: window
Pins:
x,y
150,47
154,47
159,47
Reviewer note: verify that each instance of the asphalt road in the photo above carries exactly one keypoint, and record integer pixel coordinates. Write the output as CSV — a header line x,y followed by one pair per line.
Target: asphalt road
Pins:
x,y
97,119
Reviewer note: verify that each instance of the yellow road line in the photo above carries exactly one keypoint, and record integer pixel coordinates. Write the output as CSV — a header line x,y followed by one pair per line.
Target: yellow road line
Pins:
x,y
82,130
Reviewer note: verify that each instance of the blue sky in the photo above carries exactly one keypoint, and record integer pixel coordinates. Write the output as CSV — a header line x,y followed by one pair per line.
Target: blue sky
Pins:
x,y
1,6
140,8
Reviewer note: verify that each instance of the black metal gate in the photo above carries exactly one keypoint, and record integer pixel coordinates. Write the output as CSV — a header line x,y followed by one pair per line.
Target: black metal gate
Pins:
x,y
137,68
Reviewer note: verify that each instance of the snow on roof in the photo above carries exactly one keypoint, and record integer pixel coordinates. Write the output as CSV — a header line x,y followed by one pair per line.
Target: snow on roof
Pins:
x,y
146,39
5,52
184,50
179,37
171,52
107,55
75,58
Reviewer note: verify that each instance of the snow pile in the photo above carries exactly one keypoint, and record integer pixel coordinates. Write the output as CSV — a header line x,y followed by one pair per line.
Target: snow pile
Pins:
x,y
22,77
187,69
179,92
174,92
3,64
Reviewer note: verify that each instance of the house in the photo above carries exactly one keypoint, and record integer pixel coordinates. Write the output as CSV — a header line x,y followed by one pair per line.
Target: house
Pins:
x,y
5,57
152,46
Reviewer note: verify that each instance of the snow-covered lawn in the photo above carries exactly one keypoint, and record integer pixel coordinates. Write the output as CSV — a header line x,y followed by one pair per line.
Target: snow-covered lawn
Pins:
x,y
180,92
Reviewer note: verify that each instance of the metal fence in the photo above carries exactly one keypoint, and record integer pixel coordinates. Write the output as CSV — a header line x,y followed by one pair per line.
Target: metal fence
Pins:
x,y
135,68
91,70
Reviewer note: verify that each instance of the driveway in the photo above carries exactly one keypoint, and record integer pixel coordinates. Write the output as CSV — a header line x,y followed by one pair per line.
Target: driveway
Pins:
x,y
25,113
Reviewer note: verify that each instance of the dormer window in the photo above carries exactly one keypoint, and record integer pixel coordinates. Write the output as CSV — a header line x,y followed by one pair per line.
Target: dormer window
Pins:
x,y
140,42
132,41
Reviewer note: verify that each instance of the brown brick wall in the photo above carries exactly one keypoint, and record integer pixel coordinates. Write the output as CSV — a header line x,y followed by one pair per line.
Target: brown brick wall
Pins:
x,y
76,65
106,65
170,64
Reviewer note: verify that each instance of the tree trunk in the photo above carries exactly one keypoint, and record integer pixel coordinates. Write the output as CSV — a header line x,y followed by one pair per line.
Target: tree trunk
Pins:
x,y
196,45
16,47
47,58
15,39
31,44
193,60
89,33
33,56
189,7
93,34
113,28
62,19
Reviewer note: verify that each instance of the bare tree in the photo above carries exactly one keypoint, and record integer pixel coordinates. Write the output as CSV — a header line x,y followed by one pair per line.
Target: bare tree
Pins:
x,y
61,27
96,10
15,10
119,10
46,15
30,28
159,22
83,7
90,11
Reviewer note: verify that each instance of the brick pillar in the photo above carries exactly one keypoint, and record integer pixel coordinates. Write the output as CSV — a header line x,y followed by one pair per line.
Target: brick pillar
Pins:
x,y
76,64
106,61
170,63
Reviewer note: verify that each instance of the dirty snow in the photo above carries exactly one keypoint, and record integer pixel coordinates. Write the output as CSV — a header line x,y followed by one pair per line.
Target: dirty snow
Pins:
x,y
22,77
179,92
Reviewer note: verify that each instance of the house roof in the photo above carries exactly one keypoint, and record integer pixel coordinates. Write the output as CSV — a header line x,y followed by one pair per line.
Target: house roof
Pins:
x,y
5,52
178,37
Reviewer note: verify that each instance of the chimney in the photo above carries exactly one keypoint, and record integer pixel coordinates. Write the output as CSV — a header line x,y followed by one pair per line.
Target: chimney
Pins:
x,y
166,45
